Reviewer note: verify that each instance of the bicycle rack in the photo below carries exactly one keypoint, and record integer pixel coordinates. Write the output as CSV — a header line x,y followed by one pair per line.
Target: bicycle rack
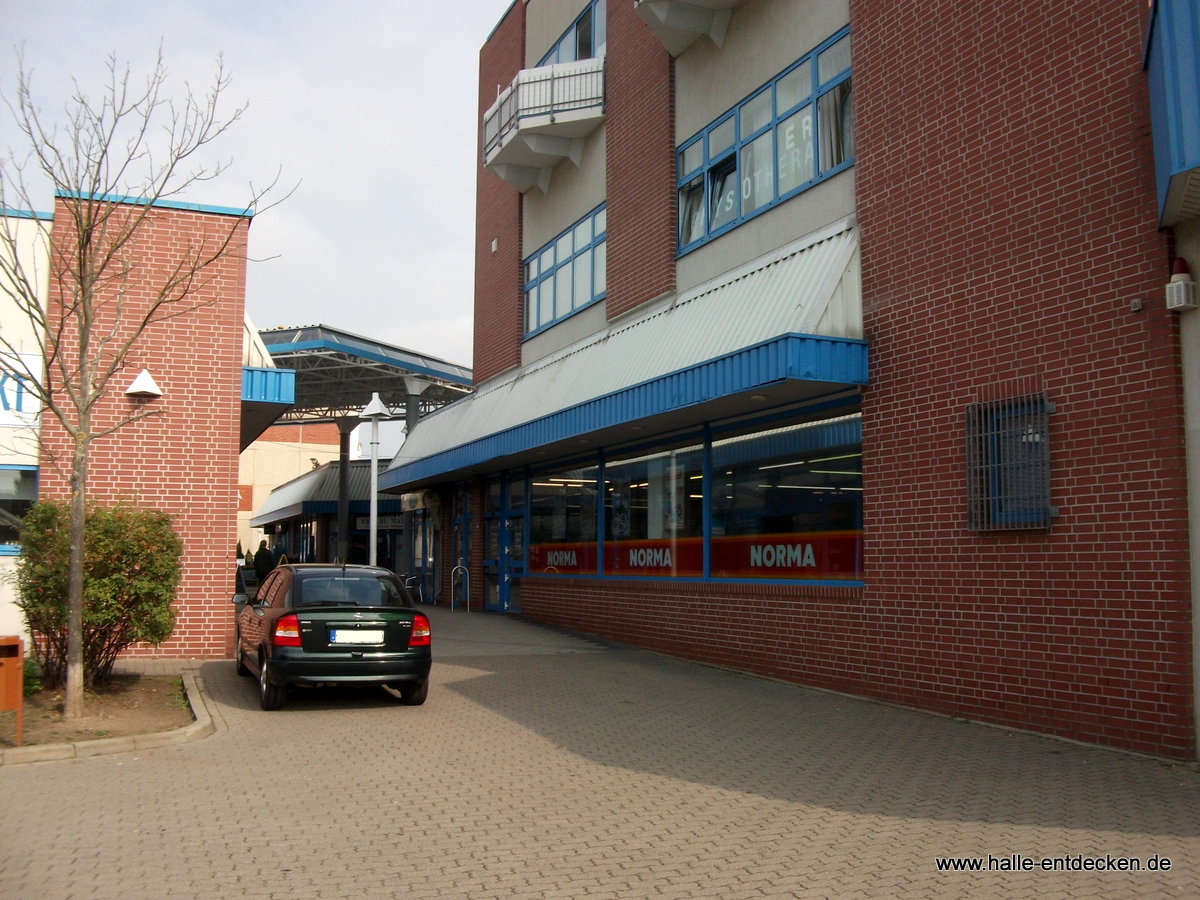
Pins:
x,y
466,585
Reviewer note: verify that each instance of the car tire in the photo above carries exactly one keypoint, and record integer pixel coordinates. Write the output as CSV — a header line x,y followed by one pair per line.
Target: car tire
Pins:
x,y
270,696
237,655
414,694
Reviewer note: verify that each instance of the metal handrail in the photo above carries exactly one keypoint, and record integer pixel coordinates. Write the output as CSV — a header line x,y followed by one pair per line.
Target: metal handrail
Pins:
x,y
547,90
466,583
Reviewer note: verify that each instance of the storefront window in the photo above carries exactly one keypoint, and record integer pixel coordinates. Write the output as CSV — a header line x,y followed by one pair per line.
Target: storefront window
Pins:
x,y
562,522
786,504
18,491
654,514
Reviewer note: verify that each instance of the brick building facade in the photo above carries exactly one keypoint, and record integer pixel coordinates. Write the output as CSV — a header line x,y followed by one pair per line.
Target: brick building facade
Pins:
x,y
182,457
723,214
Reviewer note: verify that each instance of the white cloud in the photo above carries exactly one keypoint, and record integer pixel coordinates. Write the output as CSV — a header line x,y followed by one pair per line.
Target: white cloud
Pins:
x,y
370,106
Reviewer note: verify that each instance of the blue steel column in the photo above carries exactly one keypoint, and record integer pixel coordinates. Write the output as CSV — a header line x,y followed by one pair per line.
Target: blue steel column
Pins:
x,y
600,515
706,503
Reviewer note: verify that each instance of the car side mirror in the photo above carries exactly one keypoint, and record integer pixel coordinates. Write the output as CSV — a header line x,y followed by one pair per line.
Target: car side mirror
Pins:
x,y
239,598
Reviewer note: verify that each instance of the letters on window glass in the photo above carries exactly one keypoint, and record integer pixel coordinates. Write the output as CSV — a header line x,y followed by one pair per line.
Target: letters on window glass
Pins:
x,y
769,147
782,511
722,189
757,165
794,145
562,522
654,509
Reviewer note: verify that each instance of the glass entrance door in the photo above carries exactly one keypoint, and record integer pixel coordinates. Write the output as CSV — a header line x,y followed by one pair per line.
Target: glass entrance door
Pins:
x,y
504,542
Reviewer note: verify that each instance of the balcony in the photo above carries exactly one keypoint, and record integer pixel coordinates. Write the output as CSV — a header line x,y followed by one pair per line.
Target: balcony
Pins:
x,y
677,23
541,119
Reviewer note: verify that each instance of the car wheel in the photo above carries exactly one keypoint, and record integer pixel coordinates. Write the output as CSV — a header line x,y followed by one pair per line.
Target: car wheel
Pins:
x,y
270,696
414,694
237,655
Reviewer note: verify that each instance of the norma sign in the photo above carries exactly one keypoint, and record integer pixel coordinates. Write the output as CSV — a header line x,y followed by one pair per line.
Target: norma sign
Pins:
x,y
829,555
363,523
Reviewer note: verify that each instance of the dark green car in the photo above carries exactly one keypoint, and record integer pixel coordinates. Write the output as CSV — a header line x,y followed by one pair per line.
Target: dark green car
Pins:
x,y
332,625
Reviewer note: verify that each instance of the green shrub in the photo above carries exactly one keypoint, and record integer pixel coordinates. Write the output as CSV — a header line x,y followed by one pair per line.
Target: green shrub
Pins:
x,y
33,676
130,575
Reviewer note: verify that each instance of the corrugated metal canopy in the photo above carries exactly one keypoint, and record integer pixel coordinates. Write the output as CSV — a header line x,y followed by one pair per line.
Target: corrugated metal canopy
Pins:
x,y
793,315
317,492
336,372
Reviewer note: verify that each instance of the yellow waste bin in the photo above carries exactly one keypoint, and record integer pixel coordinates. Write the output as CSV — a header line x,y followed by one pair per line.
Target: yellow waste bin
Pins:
x,y
12,679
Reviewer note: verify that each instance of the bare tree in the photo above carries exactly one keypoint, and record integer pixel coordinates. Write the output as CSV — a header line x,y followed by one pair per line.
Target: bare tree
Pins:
x,y
110,162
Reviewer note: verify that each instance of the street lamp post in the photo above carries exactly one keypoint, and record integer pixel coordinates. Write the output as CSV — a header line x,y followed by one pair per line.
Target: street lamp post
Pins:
x,y
375,410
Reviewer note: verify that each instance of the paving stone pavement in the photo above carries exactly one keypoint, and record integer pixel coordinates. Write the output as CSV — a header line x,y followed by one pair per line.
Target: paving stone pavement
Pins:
x,y
546,766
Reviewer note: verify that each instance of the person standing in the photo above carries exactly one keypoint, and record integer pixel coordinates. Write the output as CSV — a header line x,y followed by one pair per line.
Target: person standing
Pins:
x,y
264,561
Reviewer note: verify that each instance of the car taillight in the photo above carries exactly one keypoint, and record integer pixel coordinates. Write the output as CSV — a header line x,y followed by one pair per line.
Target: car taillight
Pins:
x,y
420,632
287,632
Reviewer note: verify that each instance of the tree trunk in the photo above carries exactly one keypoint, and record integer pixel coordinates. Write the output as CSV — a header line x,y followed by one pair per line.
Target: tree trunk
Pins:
x,y
73,704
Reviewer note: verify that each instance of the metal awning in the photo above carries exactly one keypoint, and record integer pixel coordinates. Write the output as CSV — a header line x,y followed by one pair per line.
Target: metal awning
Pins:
x,y
336,373
316,493
783,329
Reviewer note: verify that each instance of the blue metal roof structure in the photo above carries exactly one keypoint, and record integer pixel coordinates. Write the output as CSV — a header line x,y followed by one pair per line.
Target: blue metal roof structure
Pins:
x,y
1172,64
336,372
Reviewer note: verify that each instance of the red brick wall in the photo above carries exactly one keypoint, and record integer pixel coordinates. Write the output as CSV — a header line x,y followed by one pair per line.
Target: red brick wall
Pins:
x,y
1007,214
183,461
318,433
1007,205
498,276
640,139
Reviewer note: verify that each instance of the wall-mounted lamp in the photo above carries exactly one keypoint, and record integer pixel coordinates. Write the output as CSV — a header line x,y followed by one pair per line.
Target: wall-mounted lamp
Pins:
x,y
143,387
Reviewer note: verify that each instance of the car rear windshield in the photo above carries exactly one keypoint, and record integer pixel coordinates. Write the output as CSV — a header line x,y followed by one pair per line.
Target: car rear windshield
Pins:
x,y
349,590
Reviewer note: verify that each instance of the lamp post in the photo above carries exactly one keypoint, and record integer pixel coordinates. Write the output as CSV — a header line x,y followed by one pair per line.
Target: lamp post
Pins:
x,y
375,410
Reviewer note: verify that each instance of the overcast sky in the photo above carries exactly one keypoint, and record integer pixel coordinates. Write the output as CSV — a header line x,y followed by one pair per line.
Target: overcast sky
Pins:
x,y
369,106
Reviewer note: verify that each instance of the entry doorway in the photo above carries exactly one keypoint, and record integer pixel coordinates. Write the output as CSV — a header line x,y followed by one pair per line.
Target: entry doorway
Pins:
x,y
504,541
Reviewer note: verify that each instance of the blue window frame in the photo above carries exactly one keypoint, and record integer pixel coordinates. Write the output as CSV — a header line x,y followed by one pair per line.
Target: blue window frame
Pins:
x,y
585,39
568,273
786,136
18,492
784,503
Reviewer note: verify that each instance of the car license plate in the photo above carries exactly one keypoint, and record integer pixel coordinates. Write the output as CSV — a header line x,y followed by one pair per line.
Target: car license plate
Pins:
x,y
355,636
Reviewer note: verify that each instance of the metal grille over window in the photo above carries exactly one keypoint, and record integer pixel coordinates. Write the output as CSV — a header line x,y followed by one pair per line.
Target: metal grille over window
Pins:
x,y
1008,464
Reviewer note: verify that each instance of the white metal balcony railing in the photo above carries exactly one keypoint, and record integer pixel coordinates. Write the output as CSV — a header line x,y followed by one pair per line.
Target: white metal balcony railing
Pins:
x,y
541,119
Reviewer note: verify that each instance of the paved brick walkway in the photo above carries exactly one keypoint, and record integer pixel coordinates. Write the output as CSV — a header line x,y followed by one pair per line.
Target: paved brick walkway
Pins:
x,y
547,766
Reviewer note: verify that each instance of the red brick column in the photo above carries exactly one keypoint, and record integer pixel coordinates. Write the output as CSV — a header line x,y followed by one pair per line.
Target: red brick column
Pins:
x,y
1007,206
184,460
640,138
498,276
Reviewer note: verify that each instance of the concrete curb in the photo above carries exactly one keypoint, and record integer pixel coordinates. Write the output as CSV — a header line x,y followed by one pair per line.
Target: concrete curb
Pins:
x,y
201,728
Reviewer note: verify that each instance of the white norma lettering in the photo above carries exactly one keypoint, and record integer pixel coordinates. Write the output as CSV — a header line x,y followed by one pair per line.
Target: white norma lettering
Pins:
x,y
643,558
795,556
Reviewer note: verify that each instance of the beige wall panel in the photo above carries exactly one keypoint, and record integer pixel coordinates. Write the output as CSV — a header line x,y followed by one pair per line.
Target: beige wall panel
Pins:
x,y
545,22
803,214
573,193
565,333
764,38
